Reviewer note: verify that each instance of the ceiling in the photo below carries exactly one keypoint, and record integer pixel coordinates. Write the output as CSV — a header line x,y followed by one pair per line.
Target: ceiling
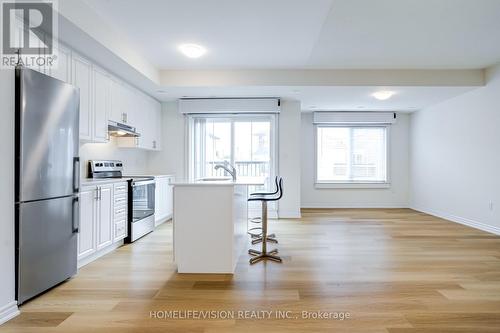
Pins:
x,y
410,34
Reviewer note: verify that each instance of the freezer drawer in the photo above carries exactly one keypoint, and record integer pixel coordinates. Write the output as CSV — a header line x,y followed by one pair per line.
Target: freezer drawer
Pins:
x,y
47,248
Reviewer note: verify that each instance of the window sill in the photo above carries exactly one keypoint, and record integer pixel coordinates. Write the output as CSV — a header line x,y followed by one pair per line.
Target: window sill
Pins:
x,y
352,185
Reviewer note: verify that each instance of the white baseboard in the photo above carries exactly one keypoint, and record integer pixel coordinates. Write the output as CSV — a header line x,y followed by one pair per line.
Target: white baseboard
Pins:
x,y
462,220
289,214
163,220
362,205
87,260
8,311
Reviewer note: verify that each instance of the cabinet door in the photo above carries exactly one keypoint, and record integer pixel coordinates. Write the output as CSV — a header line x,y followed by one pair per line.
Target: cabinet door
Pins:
x,y
157,125
102,105
158,200
82,78
115,113
105,217
63,69
141,117
169,198
86,235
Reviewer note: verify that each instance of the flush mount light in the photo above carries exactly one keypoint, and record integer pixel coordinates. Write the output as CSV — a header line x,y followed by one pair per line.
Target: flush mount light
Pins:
x,y
192,50
383,95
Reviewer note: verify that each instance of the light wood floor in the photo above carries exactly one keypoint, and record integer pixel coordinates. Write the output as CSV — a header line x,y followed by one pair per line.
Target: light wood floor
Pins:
x,y
396,271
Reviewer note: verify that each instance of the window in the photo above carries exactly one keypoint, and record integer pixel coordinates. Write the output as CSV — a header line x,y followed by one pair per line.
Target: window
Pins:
x,y
245,141
351,155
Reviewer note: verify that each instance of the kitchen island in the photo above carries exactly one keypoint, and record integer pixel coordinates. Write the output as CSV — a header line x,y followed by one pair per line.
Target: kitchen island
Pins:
x,y
210,224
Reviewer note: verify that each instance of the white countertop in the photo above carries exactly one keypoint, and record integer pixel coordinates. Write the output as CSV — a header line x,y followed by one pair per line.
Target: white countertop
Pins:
x,y
97,181
148,175
239,181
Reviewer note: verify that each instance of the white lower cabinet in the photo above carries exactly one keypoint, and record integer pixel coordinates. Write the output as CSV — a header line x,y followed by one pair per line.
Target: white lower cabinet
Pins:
x,y
98,220
163,199
104,217
86,235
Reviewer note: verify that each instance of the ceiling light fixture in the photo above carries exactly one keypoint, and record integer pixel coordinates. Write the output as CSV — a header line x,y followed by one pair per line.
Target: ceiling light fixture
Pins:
x,y
383,95
192,50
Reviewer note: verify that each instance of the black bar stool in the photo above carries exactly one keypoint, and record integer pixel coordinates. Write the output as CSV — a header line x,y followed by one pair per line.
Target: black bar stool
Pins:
x,y
256,232
263,254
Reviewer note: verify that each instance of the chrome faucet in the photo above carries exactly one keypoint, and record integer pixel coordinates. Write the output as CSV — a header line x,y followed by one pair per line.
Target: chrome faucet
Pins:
x,y
228,168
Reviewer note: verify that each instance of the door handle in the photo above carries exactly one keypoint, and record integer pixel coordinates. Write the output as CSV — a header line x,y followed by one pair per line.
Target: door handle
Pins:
x,y
76,174
75,215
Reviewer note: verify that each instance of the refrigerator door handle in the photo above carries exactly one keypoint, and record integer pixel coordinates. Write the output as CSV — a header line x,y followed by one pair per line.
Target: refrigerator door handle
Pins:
x,y
76,174
76,215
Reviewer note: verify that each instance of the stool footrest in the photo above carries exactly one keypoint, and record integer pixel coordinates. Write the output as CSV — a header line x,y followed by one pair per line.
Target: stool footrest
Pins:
x,y
259,256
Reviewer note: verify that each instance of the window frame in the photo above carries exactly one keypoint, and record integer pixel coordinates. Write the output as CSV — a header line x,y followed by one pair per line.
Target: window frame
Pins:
x,y
354,184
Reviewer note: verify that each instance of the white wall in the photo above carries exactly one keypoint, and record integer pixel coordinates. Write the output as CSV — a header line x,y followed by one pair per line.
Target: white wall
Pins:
x,y
8,307
395,196
135,161
455,157
289,158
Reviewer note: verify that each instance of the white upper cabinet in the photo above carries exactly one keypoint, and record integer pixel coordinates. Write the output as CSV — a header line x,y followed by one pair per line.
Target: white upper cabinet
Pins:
x,y
82,78
63,69
104,98
102,104
158,124
145,115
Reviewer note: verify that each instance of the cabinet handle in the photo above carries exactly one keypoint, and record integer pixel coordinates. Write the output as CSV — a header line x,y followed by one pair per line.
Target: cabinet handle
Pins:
x,y
96,193
100,193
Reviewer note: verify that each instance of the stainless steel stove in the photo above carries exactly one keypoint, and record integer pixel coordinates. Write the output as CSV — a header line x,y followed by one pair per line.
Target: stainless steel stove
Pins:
x,y
141,196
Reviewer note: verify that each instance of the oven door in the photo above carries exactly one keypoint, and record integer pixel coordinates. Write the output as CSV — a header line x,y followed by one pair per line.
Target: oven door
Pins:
x,y
143,199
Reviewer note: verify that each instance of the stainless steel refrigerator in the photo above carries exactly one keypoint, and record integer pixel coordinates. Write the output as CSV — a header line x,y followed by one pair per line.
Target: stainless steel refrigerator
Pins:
x,y
47,182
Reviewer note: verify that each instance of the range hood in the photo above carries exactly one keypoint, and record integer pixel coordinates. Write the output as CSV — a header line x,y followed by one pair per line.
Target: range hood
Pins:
x,y
121,130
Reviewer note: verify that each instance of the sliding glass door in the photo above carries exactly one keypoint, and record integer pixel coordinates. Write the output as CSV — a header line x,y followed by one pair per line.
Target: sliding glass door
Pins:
x,y
245,141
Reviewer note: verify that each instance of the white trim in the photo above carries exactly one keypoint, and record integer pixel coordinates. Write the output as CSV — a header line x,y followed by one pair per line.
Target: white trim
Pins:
x,y
8,311
461,220
96,255
353,118
360,206
163,220
228,105
352,185
289,214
